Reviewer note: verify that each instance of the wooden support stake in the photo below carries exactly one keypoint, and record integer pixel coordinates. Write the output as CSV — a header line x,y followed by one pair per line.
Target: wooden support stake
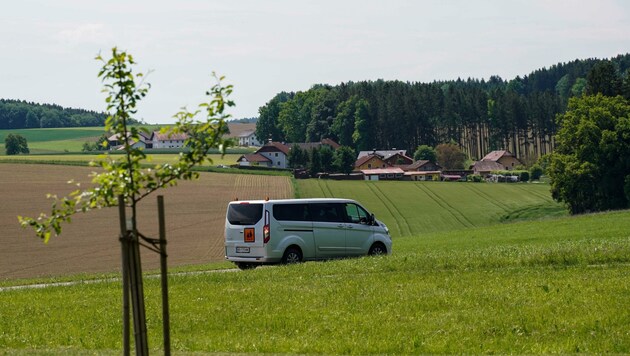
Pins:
x,y
124,245
164,272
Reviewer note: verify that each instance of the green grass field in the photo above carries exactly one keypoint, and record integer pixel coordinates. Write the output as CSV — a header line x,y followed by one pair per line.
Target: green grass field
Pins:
x,y
476,268
54,140
417,208
552,286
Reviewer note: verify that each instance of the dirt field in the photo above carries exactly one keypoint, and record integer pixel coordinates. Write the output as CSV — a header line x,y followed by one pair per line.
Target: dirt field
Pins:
x,y
195,213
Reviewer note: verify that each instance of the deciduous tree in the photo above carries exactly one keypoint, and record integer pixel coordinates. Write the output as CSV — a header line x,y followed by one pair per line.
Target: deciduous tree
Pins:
x,y
591,163
122,178
424,152
15,144
450,156
344,159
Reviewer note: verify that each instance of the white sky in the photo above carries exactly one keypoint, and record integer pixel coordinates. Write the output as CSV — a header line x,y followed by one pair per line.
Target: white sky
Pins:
x,y
264,47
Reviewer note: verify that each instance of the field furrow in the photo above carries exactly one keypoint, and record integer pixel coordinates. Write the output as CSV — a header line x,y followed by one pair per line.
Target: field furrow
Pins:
x,y
195,219
457,215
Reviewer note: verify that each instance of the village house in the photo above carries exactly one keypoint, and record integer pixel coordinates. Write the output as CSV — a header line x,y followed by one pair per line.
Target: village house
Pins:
x,y
495,161
115,142
166,140
422,166
371,161
276,154
248,138
382,159
389,173
254,159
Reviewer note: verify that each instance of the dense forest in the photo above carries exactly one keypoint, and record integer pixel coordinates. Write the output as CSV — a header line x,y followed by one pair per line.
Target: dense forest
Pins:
x,y
518,115
16,114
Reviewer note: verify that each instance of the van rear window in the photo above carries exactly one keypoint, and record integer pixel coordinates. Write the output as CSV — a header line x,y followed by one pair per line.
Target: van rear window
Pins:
x,y
244,214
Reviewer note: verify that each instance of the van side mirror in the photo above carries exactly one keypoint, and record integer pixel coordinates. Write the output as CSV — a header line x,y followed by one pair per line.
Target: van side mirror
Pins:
x,y
372,220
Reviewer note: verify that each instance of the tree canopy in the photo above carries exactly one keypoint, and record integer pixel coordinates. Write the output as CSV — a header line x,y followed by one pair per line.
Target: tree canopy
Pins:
x,y
15,144
17,114
590,169
478,115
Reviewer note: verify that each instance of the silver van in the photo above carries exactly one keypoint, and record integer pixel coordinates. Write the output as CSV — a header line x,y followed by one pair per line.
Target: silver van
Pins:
x,y
294,230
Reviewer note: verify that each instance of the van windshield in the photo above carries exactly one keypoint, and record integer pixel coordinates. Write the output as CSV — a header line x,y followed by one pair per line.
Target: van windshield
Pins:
x,y
244,214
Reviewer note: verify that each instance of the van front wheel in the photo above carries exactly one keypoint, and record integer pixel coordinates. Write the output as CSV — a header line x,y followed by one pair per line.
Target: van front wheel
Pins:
x,y
377,249
292,255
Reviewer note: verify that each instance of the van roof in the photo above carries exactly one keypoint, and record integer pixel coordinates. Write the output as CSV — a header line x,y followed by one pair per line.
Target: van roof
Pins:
x,y
304,200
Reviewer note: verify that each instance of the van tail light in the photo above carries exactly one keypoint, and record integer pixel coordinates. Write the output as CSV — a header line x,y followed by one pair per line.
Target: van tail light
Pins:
x,y
266,228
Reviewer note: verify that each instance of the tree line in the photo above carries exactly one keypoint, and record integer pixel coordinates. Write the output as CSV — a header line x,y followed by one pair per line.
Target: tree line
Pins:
x,y
17,114
478,115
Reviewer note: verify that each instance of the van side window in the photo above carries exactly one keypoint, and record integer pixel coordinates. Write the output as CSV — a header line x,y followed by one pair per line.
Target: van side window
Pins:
x,y
291,212
356,214
328,212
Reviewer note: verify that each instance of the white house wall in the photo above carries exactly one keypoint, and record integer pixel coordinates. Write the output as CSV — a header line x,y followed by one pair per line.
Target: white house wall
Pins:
x,y
278,159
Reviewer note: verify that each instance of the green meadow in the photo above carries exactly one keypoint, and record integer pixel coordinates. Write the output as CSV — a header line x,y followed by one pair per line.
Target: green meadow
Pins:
x,y
417,208
54,140
476,268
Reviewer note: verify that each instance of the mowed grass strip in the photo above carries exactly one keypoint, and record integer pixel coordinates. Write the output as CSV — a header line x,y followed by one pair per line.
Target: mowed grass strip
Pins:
x,y
418,208
217,159
550,286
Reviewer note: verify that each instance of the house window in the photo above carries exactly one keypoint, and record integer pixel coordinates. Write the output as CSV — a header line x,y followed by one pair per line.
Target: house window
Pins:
x,y
369,165
278,162
277,156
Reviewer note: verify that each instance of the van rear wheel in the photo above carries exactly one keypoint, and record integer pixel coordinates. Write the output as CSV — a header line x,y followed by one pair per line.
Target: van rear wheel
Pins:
x,y
377,249
292,255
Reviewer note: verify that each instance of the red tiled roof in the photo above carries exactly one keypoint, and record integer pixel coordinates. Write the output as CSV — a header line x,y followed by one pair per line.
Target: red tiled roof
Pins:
x,y
363,160
168,136
253,157
494,156
421,173
330,143
487,166
274,147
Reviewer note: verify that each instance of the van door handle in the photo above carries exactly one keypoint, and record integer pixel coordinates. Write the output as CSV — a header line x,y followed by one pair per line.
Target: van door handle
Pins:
x,y
341,225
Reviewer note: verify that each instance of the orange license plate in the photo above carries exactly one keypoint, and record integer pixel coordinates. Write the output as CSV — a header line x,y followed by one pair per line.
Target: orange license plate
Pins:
x,y
249,234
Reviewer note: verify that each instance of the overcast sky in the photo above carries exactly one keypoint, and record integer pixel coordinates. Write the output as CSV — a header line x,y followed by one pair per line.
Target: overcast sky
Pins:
x,y
47,48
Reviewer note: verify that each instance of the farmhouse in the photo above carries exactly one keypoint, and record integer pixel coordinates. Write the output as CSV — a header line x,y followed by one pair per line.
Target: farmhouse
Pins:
x,y
484,168
168,140
276,154
505,158
422,166
391,173
248,138
116,142
254,159
422,175
371,161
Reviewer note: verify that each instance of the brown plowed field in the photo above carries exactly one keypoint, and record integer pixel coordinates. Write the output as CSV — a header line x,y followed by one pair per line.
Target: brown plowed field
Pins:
x,y
195,213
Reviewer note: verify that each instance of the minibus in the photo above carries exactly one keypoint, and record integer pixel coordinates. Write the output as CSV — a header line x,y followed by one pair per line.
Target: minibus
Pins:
x,y
295,230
